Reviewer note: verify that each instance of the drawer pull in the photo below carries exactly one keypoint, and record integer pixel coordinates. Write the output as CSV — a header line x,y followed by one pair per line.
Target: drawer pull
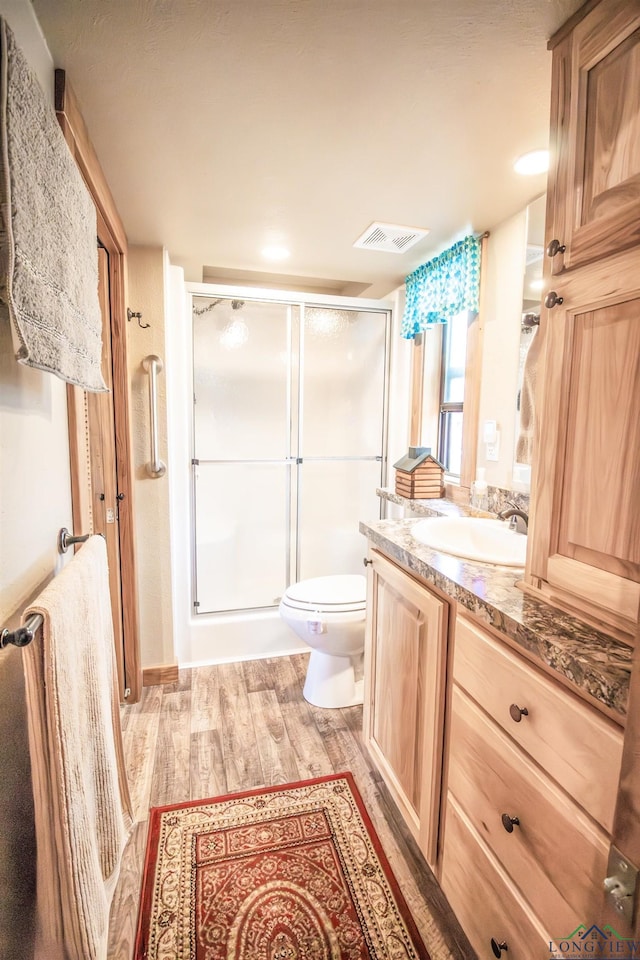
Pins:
x,y
367,562
517,713
509,822
498,947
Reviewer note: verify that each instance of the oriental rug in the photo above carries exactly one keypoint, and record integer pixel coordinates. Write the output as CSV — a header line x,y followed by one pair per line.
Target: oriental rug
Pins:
x,y
293,872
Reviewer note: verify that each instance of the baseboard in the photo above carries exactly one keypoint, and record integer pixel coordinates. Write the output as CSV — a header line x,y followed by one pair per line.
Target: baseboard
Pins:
x,y
165,673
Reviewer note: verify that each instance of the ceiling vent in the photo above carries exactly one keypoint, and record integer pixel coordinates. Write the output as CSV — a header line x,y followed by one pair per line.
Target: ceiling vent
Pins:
x,y
389,237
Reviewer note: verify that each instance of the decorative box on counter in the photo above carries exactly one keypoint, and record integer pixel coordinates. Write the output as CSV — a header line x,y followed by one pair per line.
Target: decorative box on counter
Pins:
x,y
419,476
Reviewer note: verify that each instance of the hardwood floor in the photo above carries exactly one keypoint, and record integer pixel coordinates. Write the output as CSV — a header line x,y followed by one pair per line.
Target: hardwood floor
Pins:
x,y
235,726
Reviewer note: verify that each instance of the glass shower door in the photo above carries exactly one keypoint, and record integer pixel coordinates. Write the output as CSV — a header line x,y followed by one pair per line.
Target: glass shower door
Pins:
x,y
242,446
341,440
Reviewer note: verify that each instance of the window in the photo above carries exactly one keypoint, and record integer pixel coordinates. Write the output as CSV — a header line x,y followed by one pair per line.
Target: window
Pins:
x,y
454,353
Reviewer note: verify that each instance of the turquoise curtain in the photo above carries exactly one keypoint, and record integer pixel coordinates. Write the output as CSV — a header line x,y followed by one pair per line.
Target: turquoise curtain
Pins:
x,y
443,287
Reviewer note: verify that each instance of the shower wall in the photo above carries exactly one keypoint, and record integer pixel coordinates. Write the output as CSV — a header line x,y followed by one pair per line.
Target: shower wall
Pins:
x,y
287,445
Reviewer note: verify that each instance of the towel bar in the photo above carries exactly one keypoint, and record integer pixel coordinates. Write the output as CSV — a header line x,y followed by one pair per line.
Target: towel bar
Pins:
x,y
153,365
23,635
65,540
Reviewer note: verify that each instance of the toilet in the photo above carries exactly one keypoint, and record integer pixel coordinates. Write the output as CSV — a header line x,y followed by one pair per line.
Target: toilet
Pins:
x,y
328,613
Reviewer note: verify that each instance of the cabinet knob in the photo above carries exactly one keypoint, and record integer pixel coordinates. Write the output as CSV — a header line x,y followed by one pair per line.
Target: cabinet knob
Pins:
x,y
120,496
552,300
366,562
555,247
510,822
498,947
517,713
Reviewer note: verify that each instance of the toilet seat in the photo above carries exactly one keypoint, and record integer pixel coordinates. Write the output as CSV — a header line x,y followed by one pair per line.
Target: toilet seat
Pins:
x,y
343,593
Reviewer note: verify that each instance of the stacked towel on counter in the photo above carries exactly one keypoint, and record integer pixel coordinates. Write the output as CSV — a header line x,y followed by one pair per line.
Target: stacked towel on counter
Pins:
x,y
48,247
81,796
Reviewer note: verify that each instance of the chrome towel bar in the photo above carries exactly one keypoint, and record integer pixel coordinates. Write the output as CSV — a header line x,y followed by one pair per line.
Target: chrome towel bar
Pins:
x,y
153,365
65,540
23,635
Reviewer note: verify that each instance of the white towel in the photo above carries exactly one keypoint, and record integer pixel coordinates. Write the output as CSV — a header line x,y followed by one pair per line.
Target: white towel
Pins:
x,y
526,435
48,246
81,798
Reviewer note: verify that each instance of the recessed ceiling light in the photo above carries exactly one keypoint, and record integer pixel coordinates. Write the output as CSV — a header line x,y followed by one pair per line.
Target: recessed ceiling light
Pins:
x,y
535,162
275,251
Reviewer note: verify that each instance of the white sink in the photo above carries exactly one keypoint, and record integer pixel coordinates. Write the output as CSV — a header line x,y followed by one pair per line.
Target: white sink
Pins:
x,y
474,538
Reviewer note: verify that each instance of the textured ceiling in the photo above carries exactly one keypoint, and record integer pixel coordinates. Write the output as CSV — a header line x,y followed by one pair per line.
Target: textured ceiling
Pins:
x,y
224,124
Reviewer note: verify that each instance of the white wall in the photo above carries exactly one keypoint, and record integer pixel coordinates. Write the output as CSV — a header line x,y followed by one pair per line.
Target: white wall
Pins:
x,y
146,294
35,502
500,358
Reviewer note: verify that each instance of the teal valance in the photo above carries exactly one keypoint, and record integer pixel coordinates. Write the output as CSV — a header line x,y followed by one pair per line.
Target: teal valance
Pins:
x,y
443,287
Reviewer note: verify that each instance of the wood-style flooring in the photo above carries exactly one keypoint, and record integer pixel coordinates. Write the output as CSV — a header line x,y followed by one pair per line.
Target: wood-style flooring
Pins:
x,y
231,727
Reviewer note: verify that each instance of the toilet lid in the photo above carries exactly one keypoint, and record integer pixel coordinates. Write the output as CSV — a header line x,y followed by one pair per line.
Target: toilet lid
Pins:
x,y
337,594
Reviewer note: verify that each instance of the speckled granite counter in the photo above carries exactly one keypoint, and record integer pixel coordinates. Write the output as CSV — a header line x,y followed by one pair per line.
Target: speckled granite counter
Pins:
x,y
594,662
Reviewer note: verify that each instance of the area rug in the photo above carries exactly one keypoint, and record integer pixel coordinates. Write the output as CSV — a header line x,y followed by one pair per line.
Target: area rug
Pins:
x,y
293,872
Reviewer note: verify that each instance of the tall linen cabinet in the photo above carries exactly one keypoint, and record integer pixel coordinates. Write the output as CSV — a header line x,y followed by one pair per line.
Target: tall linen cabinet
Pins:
x,y
584,541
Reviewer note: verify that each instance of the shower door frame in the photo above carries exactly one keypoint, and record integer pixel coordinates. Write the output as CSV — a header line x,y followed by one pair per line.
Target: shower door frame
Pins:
x,y
295,397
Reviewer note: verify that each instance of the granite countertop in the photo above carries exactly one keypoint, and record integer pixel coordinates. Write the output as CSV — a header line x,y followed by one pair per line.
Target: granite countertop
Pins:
x,y
594,662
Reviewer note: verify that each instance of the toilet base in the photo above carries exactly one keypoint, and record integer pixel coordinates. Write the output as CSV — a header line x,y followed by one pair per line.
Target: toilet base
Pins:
x,y
332,682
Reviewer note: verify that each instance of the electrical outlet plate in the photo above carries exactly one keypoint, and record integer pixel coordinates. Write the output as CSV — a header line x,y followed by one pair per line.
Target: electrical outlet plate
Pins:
x,y
493,449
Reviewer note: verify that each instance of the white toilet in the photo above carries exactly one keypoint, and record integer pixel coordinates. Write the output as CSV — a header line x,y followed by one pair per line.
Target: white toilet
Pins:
x,y
328,613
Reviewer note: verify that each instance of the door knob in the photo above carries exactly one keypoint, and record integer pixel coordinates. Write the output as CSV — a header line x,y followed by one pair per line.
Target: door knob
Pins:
x,y
498,947
552,300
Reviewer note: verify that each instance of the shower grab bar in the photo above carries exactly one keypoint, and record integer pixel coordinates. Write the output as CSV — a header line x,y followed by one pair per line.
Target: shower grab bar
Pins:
x,y
153,365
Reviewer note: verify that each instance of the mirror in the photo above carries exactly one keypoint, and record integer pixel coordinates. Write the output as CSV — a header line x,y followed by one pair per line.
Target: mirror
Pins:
x,y
529,324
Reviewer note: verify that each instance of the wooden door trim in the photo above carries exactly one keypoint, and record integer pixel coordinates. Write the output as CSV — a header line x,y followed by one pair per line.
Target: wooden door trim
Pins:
x,y
112,236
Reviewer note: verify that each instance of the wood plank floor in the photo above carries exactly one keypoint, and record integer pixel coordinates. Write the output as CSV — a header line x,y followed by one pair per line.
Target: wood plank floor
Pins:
x,y
235,726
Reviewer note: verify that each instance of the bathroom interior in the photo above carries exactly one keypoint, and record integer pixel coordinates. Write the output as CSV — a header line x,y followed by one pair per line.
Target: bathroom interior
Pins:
x,y
285,608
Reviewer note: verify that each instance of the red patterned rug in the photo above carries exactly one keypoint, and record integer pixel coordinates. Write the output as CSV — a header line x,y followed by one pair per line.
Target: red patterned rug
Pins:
x,y
283,873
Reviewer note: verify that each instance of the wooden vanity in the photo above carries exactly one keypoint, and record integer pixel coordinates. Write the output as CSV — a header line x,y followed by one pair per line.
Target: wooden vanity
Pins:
x,y
505,772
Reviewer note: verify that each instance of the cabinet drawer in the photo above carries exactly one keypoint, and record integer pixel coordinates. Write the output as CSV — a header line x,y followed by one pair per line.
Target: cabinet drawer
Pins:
x,y
484,901
575,744
556,855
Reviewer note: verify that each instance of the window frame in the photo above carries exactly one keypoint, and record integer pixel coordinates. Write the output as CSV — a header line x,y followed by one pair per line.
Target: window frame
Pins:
x,y
424,379
447,407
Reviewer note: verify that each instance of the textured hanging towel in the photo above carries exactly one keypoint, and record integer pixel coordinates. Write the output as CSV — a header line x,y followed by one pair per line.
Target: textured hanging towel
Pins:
x,y
81,796
48,248
524,445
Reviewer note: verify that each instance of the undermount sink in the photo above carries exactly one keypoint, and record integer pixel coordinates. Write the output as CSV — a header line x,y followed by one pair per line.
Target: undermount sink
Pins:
x,y
474,538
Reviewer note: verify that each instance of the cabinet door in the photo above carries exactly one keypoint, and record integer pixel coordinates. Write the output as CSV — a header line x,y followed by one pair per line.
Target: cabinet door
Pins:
x,y
596,135
585,534
404,695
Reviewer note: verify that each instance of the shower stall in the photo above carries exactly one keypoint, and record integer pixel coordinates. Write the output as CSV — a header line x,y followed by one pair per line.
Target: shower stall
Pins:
x,y
288,444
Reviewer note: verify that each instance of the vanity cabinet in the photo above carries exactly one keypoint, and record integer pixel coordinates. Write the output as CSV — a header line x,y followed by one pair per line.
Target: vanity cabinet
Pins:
x,y
405,673
584,541
531,788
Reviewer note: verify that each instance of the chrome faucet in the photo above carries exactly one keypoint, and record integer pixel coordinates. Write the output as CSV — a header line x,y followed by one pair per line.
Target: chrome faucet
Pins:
x,y
518,519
